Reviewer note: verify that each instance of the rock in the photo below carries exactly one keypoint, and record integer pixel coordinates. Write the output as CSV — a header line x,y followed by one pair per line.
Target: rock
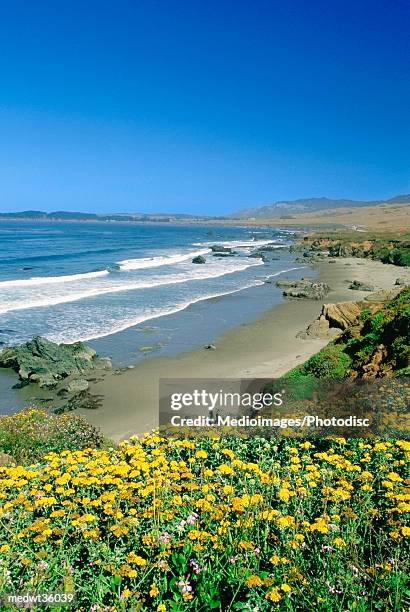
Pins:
x,y
336,318
103,363
341,315
146,349
317,329
76,386
219,248
304,288
231,254
372,368
6,460
284,284
332,260
400,281
210,347
268,247
260,255
359,286
45,362
380,297
199,259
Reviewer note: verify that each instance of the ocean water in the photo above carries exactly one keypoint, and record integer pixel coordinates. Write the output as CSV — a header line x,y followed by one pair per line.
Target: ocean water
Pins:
x,y
86,281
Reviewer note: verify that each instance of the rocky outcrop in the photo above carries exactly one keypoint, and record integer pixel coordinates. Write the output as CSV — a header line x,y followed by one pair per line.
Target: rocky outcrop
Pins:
x,y
304,288
219,248
359,286
372,368
336,318
46,363
345,244
341,315
199,259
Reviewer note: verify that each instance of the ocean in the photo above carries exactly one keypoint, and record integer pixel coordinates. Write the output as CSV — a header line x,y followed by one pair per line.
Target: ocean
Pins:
x,y
131,290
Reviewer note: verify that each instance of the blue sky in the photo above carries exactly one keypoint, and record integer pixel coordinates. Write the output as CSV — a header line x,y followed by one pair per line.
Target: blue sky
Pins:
x,y
201,107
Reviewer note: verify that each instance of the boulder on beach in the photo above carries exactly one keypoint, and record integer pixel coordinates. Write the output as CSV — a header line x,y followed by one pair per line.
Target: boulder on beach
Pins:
x,y
76,386
199,259
219,248
359,286
304,288
210,347
45,363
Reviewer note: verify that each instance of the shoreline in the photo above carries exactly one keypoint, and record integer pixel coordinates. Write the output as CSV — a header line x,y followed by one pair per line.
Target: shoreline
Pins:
x,y
265,348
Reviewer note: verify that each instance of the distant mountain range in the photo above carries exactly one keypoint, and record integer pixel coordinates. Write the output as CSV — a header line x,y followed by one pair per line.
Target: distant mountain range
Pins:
x,y
285,208
63,215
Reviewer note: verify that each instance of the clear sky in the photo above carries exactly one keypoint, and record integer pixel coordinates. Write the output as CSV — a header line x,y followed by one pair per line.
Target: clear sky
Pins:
x,y
201,106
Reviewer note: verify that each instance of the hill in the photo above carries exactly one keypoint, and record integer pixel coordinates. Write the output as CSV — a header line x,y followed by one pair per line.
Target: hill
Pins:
x,y
287,208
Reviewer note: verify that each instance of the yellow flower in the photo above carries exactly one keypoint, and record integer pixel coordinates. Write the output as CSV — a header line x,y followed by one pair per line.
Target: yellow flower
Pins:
x,y
225,469
285,521
4,548
274,595
201,454
405,531
161,608
285,588
283,495
154,591
253,581
136,559
339,542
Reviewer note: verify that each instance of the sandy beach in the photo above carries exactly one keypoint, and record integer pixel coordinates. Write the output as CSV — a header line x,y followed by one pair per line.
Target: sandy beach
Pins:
x,y
267,347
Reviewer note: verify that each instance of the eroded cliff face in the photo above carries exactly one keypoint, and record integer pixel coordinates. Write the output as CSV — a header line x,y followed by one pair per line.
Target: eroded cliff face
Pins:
x,y
386,249
372,335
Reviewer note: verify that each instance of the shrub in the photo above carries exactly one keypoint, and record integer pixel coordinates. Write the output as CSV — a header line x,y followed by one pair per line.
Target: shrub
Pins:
x,y
30,434
330,362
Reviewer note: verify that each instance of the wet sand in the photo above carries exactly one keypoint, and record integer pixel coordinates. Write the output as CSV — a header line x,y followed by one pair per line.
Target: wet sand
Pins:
x,y
265,348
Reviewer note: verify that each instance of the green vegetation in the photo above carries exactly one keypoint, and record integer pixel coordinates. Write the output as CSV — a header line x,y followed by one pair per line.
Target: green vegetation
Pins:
x,y
330,362
30,434
387,331
385,334
226,524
